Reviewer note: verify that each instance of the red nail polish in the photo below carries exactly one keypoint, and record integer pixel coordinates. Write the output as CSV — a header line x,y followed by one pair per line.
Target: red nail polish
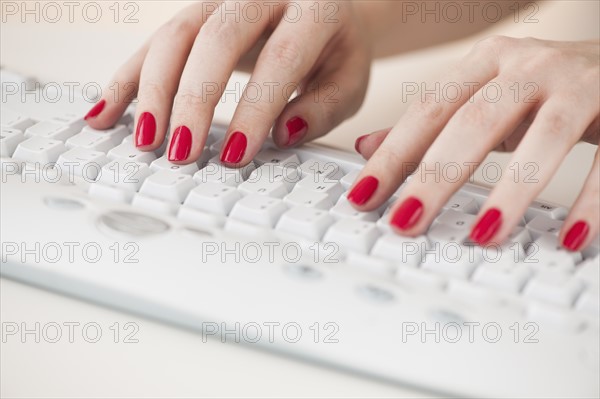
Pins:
x,y
235,149
96,109
408,214
145,131
576,236
357,142
487,226
297,128
181,144
363,190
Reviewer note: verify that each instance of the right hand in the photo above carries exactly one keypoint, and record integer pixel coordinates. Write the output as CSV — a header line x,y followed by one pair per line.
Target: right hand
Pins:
x,y
179,76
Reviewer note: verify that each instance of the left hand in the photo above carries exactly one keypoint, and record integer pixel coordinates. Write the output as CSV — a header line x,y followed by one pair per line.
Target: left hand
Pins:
x,y
536,97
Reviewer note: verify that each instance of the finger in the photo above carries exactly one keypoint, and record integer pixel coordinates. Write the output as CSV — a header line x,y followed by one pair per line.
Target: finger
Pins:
x,y
215,52
581,226
119,93
160,75
283,63
556,129
409,139
369,143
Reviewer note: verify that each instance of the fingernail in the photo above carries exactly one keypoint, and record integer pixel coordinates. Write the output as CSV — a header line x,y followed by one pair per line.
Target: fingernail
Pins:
x,y
235,148
487,226
96,109
408,214
357,142
181,144
145,131
297,128
576,236
363,190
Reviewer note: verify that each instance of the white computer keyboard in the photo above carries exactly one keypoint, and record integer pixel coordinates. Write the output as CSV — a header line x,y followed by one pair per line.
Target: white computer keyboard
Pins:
x,y
203,245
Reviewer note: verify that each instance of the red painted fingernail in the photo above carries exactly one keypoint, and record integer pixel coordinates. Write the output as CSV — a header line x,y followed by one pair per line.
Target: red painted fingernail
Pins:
x,y
407,214
235,148
357,142
145,131
487,226
181,144
297,128
576,236
363,190
96,109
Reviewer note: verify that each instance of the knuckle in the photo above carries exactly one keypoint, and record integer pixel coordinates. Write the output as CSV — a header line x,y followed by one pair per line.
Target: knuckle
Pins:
x,y
151,90
216,30
188,99
557,125
178,27
429,107
493,43
284,54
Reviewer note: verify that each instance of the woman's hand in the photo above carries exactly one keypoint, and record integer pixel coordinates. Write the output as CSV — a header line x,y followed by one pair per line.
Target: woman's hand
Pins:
x,y
538,98
179,76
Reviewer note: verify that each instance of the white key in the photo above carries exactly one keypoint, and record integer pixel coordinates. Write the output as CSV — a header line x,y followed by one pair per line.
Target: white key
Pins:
x,y
554,317
354,235
9,167
111,193
51,130
445,234
553,287
332,188
13,120
343,209
348,180
589,273
129,152
154,204
462,203
39,150
215,147
311,199
216,173
9,140
383,224
478,193
538,208
259,210
82,162
213,197
405,250
546,254
472,293
98,140
589,301
271,180
415,277
199,218
72,119
541,224
163,163
451,259
371,265
167,186
306,222
504,275
314,167
125,175
521,236
277,157
456,219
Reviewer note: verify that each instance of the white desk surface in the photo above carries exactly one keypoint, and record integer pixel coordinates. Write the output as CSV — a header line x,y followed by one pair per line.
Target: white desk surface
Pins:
x,y
168,361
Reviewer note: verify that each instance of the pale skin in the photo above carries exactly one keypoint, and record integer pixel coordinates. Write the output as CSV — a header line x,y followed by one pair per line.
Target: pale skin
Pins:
x,y
337,44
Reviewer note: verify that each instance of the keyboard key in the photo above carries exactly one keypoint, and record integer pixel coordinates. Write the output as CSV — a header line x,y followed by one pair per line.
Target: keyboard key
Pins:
x,y
406,250
537,208
556,288
554,317
446,234
456,219
504,275
415,277
213,198
129,152
125,175
13,120
167,186
98,140
478,193
451,259
355,235
589,273
271,180
71,119
589,301
307,198
154,204
9,140
545,254
163,163
51,130
111,193
343,209
216,173
81,162
306,222
199,218
348,180
371,265
259,210
318,168
277,157
39,150
462,203
332,188
541,224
